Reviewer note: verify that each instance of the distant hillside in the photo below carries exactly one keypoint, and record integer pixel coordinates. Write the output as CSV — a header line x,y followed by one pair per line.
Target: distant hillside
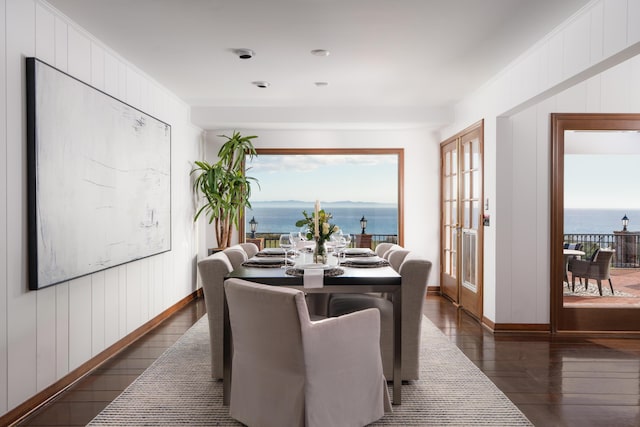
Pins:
x,y
323,205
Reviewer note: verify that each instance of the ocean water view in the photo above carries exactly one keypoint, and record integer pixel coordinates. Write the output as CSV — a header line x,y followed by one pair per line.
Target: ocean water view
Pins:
x,y
281,217
599,221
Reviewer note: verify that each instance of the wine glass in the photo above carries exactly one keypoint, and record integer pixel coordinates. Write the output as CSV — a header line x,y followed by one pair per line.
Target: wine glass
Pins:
x,y
286,244
340,245
347,243
297,239
338,242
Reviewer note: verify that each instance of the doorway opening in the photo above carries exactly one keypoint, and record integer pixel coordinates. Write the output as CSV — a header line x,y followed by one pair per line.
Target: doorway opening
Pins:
x,y
595,265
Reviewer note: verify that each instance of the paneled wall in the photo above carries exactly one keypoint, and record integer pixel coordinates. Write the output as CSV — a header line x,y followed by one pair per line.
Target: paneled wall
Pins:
x,y
616,90
586,65
47,333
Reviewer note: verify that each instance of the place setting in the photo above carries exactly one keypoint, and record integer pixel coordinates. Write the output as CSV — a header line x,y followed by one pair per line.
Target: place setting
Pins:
x,y
360,258
357,252
365,262
267,262
274,257
314,269
271,252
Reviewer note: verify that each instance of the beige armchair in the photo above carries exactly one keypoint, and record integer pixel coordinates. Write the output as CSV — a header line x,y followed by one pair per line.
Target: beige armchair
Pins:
x,y
290,371
415,274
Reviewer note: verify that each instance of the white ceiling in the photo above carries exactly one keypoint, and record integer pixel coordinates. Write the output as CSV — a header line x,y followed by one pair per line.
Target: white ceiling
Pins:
x,y
391,60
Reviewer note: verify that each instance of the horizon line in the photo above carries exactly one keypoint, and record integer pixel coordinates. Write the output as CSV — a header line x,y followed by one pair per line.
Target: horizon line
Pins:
x,y
323,201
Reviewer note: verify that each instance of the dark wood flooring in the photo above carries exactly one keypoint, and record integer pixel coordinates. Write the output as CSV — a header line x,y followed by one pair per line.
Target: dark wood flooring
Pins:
x,y
555,382
87,397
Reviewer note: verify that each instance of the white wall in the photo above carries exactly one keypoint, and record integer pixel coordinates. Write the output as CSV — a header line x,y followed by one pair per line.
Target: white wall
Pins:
x,y
47,333
574,69
421,173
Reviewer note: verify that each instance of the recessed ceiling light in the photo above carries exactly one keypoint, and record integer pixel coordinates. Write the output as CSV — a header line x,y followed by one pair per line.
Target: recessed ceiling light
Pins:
x,y
321,84
320,52
261,84
244,53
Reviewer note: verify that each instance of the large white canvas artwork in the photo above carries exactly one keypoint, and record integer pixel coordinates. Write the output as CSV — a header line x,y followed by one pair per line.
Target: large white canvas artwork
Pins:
x,y
99,179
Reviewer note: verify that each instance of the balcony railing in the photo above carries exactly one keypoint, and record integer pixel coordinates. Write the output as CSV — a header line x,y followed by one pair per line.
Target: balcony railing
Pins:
x,y
271,240
626,245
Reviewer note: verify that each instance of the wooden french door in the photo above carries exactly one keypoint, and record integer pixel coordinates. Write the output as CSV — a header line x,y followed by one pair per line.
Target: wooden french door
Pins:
x,y
449,220
461,219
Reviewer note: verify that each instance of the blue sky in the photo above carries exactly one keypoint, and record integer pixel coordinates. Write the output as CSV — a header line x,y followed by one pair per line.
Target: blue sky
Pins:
x,y
358,178
602,181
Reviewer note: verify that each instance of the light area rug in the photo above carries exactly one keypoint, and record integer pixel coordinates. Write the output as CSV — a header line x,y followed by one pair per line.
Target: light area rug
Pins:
x,y
592,291
177,390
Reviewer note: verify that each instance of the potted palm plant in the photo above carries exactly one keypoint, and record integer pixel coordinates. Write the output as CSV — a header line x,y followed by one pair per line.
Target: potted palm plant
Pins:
x,y
224,187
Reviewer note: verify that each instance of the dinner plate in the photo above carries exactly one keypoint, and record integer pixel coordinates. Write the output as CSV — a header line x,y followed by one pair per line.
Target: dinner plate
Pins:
x,y
369,260
273,251
313,266
269,260
357,251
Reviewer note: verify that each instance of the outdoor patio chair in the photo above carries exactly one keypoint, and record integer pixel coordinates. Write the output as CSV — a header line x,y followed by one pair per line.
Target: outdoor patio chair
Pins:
x,y
598,268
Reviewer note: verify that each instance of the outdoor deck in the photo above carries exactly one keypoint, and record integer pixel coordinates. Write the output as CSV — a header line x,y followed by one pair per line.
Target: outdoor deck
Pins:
x,y
626,286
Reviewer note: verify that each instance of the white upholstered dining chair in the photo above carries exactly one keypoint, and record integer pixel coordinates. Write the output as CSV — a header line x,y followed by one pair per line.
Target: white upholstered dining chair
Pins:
x,y
290,371
384,247
213,270
251,249
415,272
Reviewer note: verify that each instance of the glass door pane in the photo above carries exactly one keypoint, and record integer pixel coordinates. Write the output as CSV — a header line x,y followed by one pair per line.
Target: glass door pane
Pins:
x,y
469,260
449,191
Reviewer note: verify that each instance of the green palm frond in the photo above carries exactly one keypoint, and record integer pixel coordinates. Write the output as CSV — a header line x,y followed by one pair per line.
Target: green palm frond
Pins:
x,y
224,187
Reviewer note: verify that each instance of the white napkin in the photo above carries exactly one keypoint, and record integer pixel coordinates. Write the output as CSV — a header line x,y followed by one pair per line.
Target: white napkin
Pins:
x,y
313,277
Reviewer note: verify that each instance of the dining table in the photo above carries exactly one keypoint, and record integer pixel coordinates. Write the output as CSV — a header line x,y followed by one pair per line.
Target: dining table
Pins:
x,y
567,255
336,279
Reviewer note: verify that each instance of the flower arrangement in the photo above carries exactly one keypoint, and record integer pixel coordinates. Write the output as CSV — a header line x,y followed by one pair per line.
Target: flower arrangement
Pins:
x,y
318,228
324,228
